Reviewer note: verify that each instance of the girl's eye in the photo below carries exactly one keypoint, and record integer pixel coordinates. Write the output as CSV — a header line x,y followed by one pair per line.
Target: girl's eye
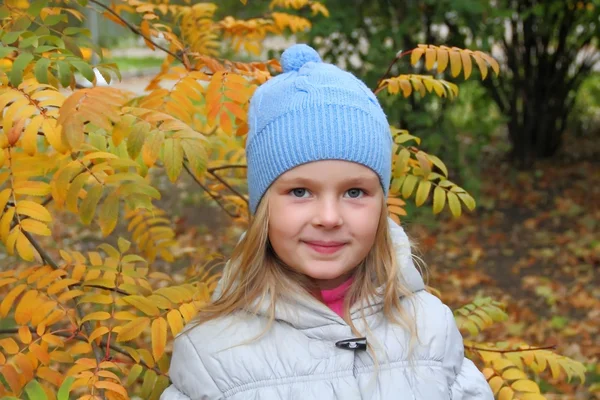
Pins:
x,y
355,193
299,192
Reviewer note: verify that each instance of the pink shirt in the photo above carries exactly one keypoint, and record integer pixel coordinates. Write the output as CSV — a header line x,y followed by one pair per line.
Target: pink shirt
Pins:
x,y
334,298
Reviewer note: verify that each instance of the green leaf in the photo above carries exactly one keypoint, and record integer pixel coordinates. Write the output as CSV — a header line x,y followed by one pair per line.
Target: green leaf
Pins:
x,y
454,204
88,205
109,213
44,48
22,24
123,244
6,50
41,70
30,41
128,189
73,31
36,6
173,158
16,73
65,388
11,37
35,391
55,19
136,139
149,381
64,73
439,199
4,12
85,70
134,373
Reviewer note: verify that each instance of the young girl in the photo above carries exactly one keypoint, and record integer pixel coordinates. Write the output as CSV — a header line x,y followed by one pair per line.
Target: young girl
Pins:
x,y
320,299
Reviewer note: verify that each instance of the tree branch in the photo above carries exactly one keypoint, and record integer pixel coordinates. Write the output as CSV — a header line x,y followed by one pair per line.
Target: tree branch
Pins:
x,y
47,259
234,190
103,343
474,348
135,30
208,191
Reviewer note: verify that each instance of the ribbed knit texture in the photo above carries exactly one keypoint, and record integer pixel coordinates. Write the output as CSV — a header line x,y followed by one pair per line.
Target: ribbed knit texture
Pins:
x,y
313,111
334,298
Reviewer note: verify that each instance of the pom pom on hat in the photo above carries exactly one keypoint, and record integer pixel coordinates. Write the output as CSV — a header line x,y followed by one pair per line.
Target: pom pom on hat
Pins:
x,y
296,56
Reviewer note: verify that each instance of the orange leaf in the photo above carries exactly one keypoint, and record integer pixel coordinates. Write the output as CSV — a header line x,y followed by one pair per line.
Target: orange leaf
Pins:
x,y
12,377
9,345
50,375
25,334
159,337
145,28
115,387
25,365
40,353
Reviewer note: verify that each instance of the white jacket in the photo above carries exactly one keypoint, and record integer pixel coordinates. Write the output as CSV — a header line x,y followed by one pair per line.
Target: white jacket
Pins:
x,y
298,357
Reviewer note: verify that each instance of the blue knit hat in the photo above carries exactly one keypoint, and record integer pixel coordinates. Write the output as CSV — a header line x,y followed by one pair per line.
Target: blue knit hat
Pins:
x,y
313,111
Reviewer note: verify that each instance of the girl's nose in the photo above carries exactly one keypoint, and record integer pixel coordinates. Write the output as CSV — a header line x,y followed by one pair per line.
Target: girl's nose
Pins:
x,y
328,214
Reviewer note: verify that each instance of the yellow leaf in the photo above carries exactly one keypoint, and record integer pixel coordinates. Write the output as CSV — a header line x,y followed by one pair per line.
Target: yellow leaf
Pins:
x,y
422,192
24,310
35,227
133,329
455,63
96,316
416,55
175,322
134,373
31,188
24,247
468,200
454,204
159,337
466,60
409,185
98,332
429,58
88,205
33,210
53,340
526,386
142,304
506,393
496,384
439,199
442,60
512,374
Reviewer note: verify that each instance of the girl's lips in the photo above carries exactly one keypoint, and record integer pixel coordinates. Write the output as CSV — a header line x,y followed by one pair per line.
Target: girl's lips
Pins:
x,y
325,247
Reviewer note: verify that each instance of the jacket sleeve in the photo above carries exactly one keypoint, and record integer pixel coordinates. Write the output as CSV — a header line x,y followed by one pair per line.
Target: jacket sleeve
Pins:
x,y
189,377
465,380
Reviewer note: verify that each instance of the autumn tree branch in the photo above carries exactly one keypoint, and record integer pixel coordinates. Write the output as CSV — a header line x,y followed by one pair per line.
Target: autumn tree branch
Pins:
x,y
103,343
135,30
208,191
474,348
48,260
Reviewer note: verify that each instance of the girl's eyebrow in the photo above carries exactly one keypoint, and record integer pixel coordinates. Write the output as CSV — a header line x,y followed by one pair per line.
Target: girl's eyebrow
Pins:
x,y
351,180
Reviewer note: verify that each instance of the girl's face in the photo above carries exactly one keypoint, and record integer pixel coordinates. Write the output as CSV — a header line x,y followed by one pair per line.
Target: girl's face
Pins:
x,y
323,217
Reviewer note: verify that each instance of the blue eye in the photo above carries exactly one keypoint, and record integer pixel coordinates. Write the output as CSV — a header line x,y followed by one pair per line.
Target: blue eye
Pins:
x,y
299,192
355,193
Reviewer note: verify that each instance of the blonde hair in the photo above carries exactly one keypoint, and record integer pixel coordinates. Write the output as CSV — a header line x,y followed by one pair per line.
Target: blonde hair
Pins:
x,y
255,274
